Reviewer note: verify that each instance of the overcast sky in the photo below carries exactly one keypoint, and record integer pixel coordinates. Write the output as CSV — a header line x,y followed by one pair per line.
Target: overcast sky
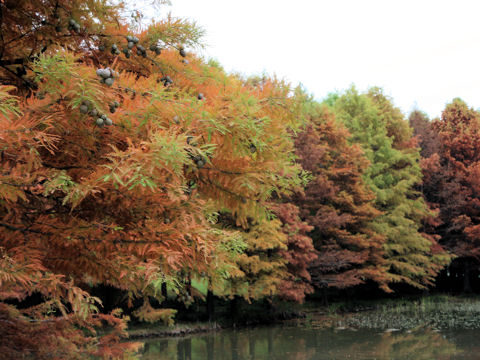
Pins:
x,y
423,53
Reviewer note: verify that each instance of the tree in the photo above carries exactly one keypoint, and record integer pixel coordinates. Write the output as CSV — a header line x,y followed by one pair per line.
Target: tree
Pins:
x,y
397,128
422,129
411,256
118,149
261,266
339,205
262,269
451,183
299,254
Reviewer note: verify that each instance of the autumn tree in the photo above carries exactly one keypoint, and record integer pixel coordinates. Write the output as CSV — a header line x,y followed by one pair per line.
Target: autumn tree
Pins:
x,y
298,254
119,149
411,257
261,267
397,128
426,136
338,204
451,183
262,271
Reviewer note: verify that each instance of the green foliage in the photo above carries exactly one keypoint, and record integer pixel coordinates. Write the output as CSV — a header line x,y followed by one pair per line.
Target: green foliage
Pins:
x,y
339,204
57,69
393,175
8,102
147,313
134,200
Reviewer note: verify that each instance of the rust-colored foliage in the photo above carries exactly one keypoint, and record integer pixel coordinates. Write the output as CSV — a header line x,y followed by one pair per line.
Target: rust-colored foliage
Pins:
x,y
261,269
425,135
451,179
299,254
132,204
394,175
339,206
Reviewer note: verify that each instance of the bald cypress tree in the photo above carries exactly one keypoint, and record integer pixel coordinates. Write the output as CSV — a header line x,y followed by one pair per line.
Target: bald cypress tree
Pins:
x,y
339,205
411,256
423,130
119,151
452,184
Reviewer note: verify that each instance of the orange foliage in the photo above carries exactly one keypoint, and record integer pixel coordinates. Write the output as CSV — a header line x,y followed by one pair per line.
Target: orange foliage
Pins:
x,y
83,202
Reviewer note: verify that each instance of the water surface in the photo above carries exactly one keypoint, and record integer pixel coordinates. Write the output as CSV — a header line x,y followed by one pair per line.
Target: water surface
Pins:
x,y
303,343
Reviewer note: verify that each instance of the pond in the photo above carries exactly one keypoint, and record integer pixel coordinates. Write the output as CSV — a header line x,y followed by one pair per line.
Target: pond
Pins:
x,y
302,343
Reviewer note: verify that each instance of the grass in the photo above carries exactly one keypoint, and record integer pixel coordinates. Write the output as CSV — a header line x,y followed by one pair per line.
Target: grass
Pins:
x,y
436,311
439,312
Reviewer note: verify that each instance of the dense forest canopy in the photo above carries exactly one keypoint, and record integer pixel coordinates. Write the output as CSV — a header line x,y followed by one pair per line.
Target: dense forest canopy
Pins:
x,y
130,162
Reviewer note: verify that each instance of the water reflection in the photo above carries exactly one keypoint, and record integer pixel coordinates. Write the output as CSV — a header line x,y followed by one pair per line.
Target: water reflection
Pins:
x,y
306,343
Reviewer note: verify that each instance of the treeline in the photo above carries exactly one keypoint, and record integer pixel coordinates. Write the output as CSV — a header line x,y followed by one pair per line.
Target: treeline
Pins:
x,y
130,163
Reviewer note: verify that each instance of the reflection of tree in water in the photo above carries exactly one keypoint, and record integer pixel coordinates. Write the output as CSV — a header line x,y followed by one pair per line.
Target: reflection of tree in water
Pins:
x,y
290,344
423,344
303,344
420,344
467,341
210,346
184,349
153,348
234,345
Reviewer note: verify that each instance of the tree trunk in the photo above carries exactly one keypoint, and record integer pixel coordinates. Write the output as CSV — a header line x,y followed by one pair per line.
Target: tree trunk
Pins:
x,y
234,310
324,295
164,291
467,288
271,307
210,306
188,285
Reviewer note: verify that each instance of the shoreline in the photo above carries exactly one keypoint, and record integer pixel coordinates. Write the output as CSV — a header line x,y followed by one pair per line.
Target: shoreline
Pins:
x,y
179,330
437,311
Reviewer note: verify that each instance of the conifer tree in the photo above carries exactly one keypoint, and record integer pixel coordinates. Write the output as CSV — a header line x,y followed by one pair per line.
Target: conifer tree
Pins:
x,y
339,205
299,254
118,149
426,136
262,269
397,128
411,256
451,183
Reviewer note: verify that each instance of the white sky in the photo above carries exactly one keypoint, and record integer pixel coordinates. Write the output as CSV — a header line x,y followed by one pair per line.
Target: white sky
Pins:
x,y
421,52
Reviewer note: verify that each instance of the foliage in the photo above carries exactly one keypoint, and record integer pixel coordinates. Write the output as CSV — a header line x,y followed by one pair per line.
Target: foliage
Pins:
x,y
132,199
338,204
397,128
393,174
299,253
128,161
426,136
148,314
262,266
451,179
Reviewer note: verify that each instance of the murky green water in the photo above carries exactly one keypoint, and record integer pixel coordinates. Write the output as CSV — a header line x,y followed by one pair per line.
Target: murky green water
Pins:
x,y
298,343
